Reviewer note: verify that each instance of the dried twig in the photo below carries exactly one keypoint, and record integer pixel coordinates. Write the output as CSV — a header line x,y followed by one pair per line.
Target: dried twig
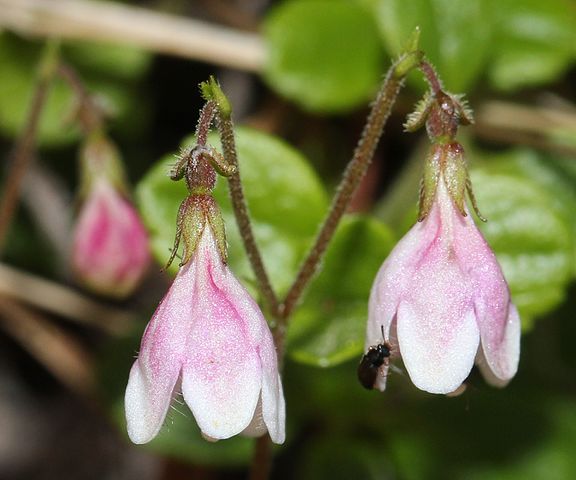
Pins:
x,y
124,24
57,299
59,352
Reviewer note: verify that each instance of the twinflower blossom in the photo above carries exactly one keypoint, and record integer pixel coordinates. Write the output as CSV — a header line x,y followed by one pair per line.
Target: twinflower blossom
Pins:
x,y
110,250
440,300
208,339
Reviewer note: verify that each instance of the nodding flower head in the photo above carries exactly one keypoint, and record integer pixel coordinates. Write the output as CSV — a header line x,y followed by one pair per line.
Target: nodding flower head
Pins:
x,y
110,251
208,338
440,296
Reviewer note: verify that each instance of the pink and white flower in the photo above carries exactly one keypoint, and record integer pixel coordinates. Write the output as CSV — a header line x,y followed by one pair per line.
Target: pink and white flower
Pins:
x,y
442,299
110,252
209,340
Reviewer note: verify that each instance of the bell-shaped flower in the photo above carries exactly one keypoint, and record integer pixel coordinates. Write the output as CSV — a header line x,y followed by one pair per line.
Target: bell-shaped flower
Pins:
x,y
110,250
208,340
110,253
440,298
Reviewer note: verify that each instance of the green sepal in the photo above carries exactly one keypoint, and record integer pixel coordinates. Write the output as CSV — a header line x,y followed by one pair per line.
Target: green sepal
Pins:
x,y
455,174
216,223
429,181
99,158
417,119
192,216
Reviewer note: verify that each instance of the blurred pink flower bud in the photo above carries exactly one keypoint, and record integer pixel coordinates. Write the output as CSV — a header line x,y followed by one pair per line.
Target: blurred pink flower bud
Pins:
x,y
110,253
209,340
440,298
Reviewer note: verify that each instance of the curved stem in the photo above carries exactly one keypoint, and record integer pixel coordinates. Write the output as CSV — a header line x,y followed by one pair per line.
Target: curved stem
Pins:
x,y
352,176
226,130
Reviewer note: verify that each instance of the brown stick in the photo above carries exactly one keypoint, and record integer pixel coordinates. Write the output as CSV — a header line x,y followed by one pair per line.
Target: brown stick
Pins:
x,y
21,155
117,23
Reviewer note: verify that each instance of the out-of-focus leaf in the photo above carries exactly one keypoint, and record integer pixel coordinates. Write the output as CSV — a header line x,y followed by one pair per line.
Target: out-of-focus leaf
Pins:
x,y
536,41
356,459
552,459
20,62
19,67
329,326
528,228
455,35
285,198
323,55
119,61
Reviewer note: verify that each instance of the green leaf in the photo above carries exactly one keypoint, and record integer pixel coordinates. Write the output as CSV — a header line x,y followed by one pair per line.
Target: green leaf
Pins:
x,y
536,41
19,62
550,459
529,227
455,34
120,61
329,327
284,195
323,55
19,68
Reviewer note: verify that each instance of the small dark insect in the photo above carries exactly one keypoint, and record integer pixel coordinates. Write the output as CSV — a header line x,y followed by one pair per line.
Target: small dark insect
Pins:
x,y
371,362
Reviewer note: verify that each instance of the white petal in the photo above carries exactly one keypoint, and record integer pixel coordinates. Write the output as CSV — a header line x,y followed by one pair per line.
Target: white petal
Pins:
x,y
222,391
437,354
147,403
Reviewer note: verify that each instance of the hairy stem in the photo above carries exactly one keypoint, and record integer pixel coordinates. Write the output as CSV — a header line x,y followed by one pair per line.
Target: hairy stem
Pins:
x,y
21,155
226,130
352,176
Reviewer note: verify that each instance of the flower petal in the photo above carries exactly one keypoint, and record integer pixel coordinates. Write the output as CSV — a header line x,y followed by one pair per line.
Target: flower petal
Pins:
x,y
273,406
157,369
222,374
497,317
111,252
438,350
221,381
500,364
147,402
394,278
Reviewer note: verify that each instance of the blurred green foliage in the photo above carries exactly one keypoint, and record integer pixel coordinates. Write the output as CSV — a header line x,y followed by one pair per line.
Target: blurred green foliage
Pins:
x,y
324,55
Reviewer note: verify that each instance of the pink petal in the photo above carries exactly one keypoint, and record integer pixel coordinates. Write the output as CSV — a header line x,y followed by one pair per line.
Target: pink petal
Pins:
x,y
498,366
497,317
260,337
155,373
273,407
111,251
394,278
222,375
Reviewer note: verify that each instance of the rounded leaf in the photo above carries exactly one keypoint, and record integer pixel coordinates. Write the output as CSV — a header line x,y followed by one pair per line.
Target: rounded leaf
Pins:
x,y
323,55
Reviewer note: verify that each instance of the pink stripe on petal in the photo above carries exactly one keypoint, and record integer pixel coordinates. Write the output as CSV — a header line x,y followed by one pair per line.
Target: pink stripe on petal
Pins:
x,y
222,374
